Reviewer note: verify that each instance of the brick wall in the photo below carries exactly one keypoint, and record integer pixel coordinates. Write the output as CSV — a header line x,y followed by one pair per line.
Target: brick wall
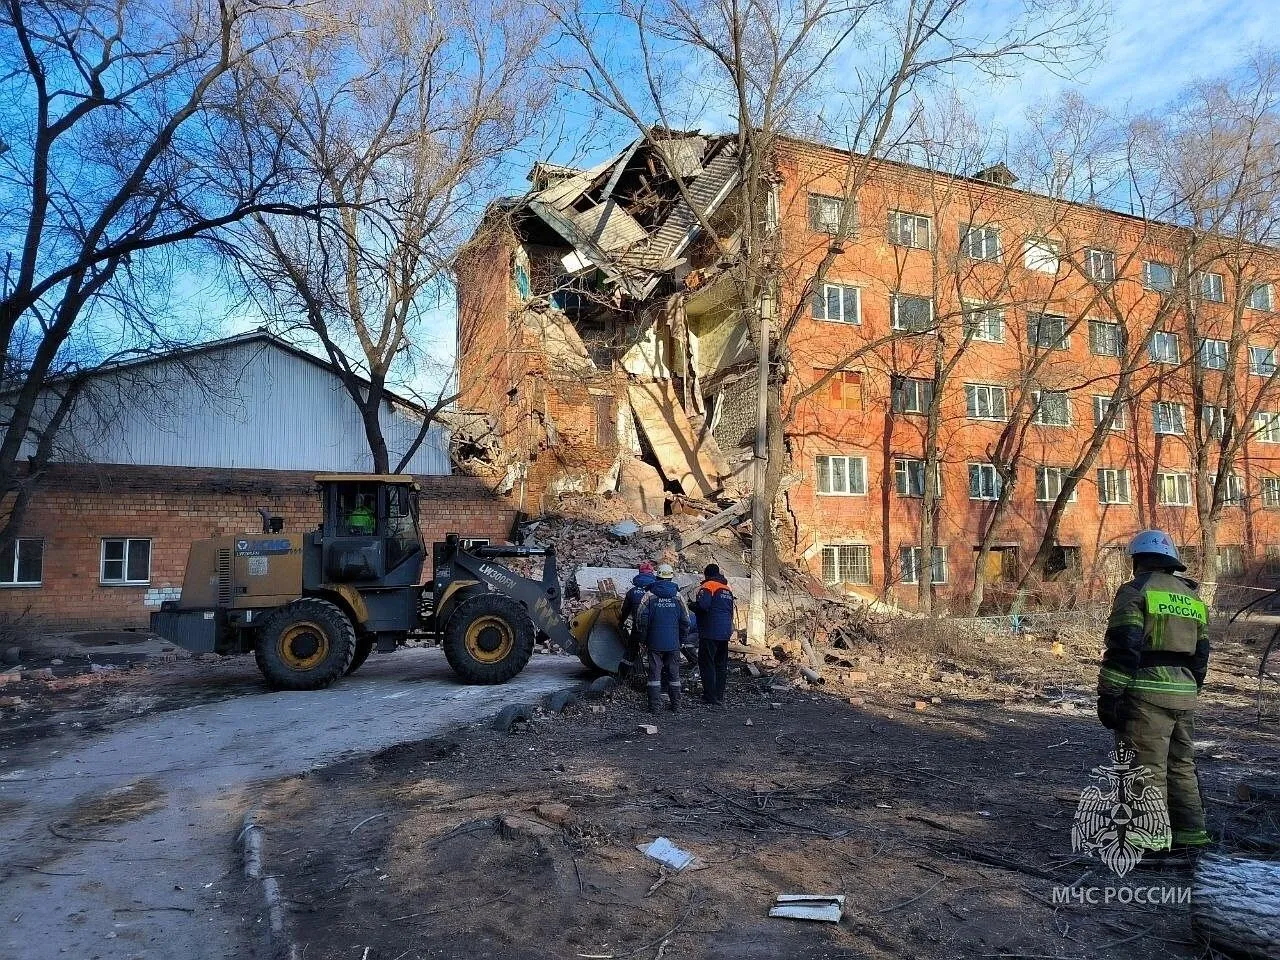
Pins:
x,y
76,506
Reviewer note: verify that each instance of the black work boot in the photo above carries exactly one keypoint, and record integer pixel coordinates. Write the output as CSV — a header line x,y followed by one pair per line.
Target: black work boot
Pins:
x,y
673,692
655,698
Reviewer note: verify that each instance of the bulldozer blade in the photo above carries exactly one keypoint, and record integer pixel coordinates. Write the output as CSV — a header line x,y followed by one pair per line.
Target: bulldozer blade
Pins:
x,y
606,646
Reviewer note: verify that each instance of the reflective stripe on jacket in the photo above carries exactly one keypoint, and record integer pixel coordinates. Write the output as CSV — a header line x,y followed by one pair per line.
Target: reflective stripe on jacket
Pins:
x,y
662,621
714,609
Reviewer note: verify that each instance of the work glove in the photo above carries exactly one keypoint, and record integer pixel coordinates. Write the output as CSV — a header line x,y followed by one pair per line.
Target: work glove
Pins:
x,y
1113,711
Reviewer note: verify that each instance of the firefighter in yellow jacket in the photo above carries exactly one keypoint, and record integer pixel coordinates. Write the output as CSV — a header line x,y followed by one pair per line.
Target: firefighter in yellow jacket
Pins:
x,y
1157,654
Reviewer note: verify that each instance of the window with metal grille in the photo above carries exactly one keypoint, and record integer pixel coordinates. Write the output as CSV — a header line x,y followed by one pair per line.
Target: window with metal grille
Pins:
x,y
1041,255
1047,331
908,477
837,302
1053,408
1260,297
909,563
1049,483
985,323
125,560
980,242
1270,492
986,402
842,475
23,563
910,230
1102,406
912,395
1113,485
825,213
1211,287
1157,276
1100,265
1169,418
846,563
1262,361
1213,354
984,482
1106,339
1164,347
1266,427
910,313
1173,489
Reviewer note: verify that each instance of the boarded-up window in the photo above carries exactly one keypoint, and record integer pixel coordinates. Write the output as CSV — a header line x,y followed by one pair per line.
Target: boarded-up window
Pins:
x,y
844,389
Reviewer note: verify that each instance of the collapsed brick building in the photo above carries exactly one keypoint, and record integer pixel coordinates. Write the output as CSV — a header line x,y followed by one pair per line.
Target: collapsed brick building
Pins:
x,y
602,348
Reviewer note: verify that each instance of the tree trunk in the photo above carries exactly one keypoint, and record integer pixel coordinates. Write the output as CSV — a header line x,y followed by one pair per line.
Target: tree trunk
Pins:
x,y
1235,905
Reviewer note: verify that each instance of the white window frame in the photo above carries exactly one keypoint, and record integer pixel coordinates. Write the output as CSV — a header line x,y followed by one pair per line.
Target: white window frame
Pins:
x,y
1147,271
1211,287
820,224
825,300
1266,426
1269,491
1111,329
12,558
1041,255
913,388
1234,497
1100,264
1157,349
1263,361
1219,357
1034,338
989,481
1102,405
849,461
988,246
905,469
124,580
983,323
1265,302
905,228
973,392
1181,488
1039,419
860,551
1177,424
909,561
1043,473
1110,482
1214,420
1236,551
894,298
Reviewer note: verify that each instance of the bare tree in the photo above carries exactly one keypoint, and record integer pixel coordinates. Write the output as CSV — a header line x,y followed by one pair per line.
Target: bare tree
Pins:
x,y
404,121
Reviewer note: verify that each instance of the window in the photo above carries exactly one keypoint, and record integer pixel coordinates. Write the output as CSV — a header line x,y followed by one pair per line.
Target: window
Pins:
x,y
23,563
1048,331
825,213
606,421
1106,339
1173,489
911,313
1233,494
1063,562
847,563
1053,408
909,561
1049,483
1169,417
984,323
1211,288
1266,427
1113,485
980,243
838,303
844,389
1102,406
985,402
984,482
1262,361
910,230
1164,347
1215,421
1271,492
1271,560
1040,255
842,475
1260,297
912,395
125,560
1100,265
1213,354
1230,560
908,478
1157,276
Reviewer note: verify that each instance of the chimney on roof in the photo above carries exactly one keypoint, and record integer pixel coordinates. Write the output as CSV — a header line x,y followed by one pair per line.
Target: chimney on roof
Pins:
x,y
998,174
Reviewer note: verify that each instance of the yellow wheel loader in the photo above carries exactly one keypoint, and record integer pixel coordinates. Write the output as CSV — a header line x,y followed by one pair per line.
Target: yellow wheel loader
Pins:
x,y
312,606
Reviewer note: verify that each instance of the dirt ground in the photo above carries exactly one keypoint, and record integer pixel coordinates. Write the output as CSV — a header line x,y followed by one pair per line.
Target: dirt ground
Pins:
x,y
947,827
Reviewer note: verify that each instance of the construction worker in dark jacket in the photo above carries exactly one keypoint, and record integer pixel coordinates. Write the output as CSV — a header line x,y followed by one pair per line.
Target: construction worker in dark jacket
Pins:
x,y
640,585
662,623
1157,654
713,606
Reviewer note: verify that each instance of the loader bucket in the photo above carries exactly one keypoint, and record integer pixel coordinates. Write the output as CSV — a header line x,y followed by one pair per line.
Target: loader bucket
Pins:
x,y
601,644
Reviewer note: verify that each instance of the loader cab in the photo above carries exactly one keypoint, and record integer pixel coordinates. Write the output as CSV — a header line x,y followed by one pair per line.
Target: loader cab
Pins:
x,y
369,533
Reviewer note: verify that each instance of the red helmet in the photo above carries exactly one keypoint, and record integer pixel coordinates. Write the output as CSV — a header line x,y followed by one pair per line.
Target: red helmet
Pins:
x,y
646,567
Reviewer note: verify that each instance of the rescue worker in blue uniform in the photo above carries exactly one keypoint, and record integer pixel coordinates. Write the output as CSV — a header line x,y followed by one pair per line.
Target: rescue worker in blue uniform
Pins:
x,y
713,607
662,623
1157,655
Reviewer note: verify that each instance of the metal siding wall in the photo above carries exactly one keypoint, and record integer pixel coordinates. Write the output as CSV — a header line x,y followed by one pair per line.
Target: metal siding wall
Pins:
x,y
251,406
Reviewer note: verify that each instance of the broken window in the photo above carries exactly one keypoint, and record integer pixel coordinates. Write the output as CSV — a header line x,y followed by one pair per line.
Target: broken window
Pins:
x,y
846,563
1063,563
837,302
844,389
825,213
910,313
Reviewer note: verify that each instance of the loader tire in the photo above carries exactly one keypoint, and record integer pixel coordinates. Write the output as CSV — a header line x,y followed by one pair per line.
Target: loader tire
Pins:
x,y
488,639
364,647
305,645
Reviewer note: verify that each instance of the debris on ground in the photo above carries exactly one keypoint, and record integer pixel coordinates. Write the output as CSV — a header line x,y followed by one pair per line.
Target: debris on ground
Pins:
x,y
791,906
667,853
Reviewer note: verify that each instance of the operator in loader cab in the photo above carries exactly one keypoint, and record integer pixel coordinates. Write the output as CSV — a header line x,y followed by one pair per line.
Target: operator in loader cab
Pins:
x,y
361,520
662,624
1157,655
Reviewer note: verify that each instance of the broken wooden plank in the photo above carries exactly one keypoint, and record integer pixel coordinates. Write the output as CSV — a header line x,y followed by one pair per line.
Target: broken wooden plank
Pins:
x,y
710,526
674,442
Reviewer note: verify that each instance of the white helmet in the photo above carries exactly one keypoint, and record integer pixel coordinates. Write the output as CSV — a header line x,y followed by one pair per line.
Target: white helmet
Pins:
x,y
666,571
1157,542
